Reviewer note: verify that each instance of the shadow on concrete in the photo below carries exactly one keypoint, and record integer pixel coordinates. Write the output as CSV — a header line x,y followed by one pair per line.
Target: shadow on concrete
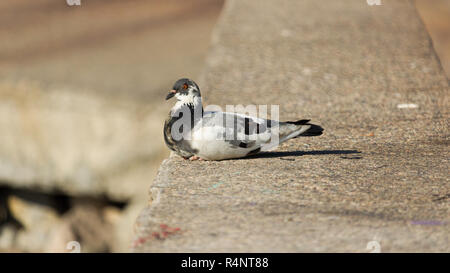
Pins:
x,y
301,153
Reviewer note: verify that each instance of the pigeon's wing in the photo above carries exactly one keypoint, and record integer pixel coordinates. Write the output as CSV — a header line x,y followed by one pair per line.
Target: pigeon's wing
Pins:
x,y
222,135
239,131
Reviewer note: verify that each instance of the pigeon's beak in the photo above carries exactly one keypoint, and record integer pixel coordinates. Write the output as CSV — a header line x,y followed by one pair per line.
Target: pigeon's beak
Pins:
x,y
171,94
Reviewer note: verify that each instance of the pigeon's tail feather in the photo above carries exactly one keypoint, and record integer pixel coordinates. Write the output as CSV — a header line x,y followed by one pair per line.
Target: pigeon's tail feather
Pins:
x,y
313,130
299,122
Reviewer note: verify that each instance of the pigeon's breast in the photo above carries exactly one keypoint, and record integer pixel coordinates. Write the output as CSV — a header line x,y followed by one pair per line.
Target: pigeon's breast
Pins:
x,y
211,144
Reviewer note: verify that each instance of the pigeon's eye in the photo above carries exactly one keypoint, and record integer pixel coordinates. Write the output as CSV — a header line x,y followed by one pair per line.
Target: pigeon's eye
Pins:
x,y
185,86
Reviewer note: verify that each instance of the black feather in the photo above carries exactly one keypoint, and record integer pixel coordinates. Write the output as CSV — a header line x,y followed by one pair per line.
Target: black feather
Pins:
x,y
315,130
299,122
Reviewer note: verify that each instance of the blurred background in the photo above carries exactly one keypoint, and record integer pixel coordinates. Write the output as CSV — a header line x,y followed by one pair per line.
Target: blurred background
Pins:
x,y
82,108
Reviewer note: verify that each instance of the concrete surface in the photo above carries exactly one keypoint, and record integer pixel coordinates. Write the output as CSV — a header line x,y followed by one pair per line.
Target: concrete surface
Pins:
x,y
379,173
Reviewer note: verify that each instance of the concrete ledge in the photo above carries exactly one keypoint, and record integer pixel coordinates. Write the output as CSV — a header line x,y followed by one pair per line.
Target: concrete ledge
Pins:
x,y
379,173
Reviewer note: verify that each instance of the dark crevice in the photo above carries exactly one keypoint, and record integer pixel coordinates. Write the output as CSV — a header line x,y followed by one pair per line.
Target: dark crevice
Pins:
x,y
60,202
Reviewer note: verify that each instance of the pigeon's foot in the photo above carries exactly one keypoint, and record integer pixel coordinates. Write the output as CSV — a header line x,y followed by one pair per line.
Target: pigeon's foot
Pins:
x,y
194,157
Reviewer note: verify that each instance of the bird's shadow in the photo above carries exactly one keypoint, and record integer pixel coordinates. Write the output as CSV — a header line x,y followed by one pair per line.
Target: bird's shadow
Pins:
x,y
281,155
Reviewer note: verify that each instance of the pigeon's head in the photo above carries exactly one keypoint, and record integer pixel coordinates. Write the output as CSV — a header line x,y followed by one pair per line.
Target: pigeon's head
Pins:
x,y
184,90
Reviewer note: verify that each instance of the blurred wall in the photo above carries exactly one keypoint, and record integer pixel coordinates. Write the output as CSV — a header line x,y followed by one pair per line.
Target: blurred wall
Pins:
x,y
82,107
436,16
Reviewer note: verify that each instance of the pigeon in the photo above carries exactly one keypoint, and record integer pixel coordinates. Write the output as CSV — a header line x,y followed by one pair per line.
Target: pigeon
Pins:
x,y
195,134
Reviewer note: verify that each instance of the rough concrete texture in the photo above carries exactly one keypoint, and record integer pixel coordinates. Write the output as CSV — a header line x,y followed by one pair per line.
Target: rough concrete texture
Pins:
x,y
379,172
